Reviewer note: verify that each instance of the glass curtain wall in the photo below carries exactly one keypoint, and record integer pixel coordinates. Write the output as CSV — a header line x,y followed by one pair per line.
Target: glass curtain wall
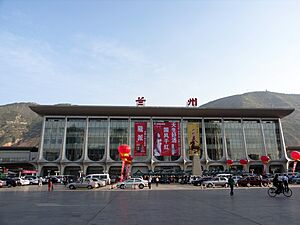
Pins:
x,y
192,135
53,138
254,139
97,138
272,139
119,134
234,139
214,141
134,149
75,138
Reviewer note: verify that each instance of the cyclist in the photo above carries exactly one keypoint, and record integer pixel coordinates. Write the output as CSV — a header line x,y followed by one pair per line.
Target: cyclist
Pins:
x,y
277,182
285,180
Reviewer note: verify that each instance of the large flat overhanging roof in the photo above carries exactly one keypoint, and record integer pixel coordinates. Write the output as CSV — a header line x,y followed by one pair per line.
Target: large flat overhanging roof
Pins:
x,y
75,110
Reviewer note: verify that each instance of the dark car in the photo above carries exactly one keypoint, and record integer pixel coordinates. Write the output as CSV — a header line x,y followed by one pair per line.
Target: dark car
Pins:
x,y
9,182
164,180
254,181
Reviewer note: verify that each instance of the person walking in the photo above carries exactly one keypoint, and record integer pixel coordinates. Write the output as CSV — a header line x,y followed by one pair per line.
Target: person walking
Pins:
x,y
40,181
156,181
49,184
149,182
231,185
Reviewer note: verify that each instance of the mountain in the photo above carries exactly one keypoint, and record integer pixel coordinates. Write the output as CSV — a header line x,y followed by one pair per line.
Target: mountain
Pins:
x,y
266,99
19,126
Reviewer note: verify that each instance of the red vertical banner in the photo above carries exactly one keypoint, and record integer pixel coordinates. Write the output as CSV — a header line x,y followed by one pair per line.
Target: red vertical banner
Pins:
x,y
140,139
166,139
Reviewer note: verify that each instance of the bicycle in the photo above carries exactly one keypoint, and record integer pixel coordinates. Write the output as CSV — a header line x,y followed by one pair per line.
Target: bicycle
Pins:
x,y
287,192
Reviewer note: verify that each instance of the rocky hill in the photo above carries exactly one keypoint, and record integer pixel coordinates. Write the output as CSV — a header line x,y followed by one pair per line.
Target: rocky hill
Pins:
x,y
266,99
19,126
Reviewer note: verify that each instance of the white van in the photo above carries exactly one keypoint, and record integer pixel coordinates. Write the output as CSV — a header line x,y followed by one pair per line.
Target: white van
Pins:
x,y
102,176
227,175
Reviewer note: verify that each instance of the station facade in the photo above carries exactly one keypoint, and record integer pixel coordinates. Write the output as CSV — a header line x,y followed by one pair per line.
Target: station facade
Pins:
x,y
85,139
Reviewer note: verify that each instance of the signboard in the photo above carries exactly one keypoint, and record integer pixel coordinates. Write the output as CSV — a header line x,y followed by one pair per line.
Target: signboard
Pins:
x,y
140,139
166,139
192,102
193,136
140,101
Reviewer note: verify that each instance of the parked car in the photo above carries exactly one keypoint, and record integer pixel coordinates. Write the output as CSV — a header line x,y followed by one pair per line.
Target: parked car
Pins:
x,y
1,183
254,181
236,179
33,181
199,181
132,183
81,184
164,180
21,182
9,182
99,183
295,179
216,181
102,176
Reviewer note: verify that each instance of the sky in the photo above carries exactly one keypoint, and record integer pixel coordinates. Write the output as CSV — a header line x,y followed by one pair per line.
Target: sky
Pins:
x,y
89,52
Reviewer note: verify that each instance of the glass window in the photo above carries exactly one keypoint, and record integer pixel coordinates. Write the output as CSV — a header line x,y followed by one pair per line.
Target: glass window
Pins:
x,y
234,139
254,139
75,138
272,139
97,138
214,141
53,135
119,134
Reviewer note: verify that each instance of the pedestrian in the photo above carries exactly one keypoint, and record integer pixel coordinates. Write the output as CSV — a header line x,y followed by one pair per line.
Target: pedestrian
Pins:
x,y
40,181
149,182
49,184
231,185
52,184
156,181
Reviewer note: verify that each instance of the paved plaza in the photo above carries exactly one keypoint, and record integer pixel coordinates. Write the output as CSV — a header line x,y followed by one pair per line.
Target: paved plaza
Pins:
x,y
163,205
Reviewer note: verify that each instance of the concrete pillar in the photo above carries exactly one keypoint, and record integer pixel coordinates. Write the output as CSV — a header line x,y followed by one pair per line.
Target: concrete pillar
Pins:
x,y
196,165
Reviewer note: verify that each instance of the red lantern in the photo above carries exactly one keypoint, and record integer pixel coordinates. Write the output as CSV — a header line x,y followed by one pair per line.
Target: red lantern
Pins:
x,y
244,161
124,149
265,159
295,155
229,162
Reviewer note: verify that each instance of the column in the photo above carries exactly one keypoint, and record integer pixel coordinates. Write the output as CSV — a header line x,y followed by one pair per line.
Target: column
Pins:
x,y
63,152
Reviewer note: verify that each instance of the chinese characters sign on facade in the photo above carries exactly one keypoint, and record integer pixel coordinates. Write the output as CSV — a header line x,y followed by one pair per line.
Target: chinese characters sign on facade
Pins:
x,y
140,138
166,139
140,101
192,102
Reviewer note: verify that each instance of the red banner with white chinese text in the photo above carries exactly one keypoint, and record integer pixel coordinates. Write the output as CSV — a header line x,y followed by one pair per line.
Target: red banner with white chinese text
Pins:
x,y
140,139
166,139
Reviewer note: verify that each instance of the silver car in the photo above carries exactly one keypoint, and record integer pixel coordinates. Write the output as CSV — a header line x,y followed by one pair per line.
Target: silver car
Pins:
x,y
82,184
216,181
133,183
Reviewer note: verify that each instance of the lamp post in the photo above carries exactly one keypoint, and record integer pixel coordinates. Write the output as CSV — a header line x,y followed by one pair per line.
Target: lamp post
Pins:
x,y
124,151
295,155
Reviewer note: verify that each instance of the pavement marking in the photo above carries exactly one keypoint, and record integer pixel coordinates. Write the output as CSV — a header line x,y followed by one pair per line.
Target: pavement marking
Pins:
x,y
47,204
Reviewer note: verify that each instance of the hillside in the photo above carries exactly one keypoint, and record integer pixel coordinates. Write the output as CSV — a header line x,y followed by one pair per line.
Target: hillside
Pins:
x,y
290,124
19,126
